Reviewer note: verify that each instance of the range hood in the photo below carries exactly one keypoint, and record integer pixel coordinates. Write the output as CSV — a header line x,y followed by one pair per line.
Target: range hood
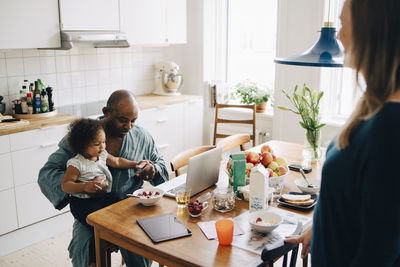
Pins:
x,y
96,39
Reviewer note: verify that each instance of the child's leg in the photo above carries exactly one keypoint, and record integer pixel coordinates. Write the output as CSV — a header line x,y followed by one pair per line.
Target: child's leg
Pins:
x,y
82,207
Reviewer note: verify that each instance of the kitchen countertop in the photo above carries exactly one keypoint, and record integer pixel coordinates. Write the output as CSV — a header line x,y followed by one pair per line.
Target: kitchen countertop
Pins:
x,y
144,101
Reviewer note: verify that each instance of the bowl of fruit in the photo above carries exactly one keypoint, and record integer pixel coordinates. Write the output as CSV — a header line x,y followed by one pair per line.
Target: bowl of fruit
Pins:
x,y
196,208
264,221
148,197
276,166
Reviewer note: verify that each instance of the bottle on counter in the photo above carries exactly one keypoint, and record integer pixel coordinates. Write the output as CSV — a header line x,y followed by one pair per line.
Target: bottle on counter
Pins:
x,y
29,103
44,101
24,104
37,99
31,88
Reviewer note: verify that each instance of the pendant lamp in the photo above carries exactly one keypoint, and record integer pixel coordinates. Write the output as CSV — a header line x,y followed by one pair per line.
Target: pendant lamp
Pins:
x,y
327,52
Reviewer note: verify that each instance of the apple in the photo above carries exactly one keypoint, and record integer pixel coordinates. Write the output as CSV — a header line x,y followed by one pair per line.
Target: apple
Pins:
x,y
273,165
271,172
282,170
253,157
249,166
274,174
266,148
281,161
273,157
266,158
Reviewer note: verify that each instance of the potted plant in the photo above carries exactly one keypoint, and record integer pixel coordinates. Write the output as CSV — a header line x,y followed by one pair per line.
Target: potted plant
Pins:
x,y
251,92
306,104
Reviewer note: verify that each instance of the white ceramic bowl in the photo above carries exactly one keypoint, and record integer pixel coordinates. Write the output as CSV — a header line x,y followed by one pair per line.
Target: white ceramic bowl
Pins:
x,y
156,195
266,216
302,185
246,192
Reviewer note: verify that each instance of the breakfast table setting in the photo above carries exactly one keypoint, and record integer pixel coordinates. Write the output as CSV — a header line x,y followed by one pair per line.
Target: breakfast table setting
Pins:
x,y
200,233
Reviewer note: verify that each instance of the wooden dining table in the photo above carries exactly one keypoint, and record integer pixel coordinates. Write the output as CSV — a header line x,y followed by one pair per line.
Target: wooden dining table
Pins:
x,y
117,224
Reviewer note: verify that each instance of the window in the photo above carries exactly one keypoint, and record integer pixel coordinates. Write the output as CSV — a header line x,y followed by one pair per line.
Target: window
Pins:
x,y
251,41
338,83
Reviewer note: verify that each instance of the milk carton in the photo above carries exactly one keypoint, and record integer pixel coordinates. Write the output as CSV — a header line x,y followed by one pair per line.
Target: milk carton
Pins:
x,y
237,170
258,188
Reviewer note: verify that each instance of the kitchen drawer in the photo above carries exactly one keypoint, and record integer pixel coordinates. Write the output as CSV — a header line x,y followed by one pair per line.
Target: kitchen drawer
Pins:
x,y
165,124
27,163
44,136
6,177
4,144
32,205
8,211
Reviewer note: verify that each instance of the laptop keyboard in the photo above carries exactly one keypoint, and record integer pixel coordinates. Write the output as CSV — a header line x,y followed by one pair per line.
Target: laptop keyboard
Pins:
x,y
172,191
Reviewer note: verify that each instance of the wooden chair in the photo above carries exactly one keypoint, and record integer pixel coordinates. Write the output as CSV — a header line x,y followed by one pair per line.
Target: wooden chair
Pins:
x,y
221,120
233,141
182,158
270,256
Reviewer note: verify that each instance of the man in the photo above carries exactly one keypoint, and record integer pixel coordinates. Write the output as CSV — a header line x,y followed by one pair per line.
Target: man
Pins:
x,y
123,139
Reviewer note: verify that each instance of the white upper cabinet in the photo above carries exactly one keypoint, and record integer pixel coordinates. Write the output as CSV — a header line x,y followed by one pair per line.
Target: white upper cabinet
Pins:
x,y
29,24
89,15
176,21
153,22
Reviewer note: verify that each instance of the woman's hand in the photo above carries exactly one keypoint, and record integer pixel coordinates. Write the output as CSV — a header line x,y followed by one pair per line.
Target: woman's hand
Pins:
x,y
147,170
304,239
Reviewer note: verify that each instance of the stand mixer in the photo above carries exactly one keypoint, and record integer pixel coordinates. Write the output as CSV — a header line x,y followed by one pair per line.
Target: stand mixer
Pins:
x,y
167,79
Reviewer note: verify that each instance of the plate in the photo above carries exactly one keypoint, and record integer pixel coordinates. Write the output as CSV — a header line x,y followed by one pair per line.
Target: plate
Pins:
x,y
313,196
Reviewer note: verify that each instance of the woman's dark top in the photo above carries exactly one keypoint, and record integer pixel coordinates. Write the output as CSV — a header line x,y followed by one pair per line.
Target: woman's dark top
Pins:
x,y
357,217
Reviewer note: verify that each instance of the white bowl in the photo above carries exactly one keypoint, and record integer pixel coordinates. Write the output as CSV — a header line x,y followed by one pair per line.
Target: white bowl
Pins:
x,y
266,216
157,194
302,185
246,192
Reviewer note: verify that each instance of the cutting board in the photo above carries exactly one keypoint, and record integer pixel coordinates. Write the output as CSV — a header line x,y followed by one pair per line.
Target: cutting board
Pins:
x,y
13,124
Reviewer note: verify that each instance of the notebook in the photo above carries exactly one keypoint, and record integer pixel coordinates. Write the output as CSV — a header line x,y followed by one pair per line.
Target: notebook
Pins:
x,y
163,227
203,172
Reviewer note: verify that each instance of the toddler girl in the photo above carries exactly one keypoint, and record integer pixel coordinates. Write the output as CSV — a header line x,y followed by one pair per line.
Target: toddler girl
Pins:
x,y
87,177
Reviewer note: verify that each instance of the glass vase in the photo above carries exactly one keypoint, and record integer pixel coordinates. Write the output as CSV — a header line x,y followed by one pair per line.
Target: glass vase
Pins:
x,y
312,146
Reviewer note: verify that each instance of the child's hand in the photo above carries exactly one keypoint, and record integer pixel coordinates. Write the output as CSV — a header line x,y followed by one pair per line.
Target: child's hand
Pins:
x,y
92,187
103,182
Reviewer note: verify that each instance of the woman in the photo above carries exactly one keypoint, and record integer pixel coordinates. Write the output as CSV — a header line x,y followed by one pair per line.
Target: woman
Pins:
x,y
357,218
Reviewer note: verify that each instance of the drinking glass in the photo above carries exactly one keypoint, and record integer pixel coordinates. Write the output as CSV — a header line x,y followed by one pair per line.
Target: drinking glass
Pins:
x,y
182,196
276,183
224,232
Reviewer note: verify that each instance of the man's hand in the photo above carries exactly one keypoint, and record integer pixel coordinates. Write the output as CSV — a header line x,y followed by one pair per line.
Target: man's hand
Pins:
x,y
147,170
304,239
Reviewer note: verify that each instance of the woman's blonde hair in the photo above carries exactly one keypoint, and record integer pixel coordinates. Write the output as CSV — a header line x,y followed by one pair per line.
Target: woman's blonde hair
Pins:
x,y
375,53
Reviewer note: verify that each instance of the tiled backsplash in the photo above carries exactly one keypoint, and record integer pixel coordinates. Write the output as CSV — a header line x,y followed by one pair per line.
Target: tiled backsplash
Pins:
x,y
79,76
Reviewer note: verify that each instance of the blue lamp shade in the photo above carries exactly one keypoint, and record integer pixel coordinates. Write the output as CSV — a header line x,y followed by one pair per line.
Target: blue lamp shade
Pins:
x,y
327,52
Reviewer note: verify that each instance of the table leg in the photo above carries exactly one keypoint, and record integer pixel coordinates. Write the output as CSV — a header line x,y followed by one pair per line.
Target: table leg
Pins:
x,y
101,250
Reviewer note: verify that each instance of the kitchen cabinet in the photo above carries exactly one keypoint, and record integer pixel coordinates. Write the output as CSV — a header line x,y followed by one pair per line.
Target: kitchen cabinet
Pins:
x,y
174,127
89,15
29,24
8,212
153,21
24,155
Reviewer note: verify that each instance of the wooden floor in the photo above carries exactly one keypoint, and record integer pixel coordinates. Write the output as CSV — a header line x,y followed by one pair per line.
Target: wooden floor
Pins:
x,y
53,253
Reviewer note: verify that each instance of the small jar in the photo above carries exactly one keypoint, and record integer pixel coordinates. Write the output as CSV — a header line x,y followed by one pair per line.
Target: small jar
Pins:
x,y
223,199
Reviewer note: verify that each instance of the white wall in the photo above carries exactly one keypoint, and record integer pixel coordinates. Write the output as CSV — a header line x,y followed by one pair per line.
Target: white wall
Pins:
x,y
80,76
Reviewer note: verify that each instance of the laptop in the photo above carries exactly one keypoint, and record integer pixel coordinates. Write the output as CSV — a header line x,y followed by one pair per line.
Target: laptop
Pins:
x,y
202,172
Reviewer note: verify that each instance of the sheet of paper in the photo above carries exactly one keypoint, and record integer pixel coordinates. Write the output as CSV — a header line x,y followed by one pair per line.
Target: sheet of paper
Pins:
x,y
255,242
209,231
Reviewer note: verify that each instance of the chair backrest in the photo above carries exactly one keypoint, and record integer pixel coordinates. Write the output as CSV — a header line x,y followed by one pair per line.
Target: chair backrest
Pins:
x,y
233,141
183,157
219,120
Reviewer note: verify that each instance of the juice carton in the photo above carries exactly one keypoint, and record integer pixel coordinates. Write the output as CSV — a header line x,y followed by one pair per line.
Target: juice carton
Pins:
x,y
258,188
237,170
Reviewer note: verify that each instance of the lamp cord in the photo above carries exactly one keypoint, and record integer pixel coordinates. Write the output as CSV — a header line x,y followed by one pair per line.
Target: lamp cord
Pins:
x,y
329,11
